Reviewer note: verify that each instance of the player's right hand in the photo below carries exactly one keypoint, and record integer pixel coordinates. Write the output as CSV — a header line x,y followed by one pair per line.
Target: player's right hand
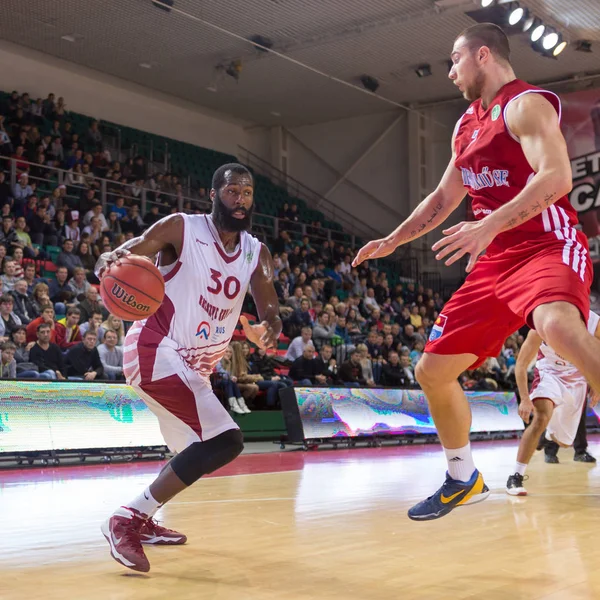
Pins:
x,y
108,259
525,409
374,249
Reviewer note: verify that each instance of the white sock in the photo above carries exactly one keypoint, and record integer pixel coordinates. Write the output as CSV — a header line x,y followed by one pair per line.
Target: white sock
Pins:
x,y
460,462
520,468
145,503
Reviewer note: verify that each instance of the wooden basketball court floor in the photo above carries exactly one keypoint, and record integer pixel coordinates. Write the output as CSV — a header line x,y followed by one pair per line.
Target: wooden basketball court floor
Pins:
x,y
316,525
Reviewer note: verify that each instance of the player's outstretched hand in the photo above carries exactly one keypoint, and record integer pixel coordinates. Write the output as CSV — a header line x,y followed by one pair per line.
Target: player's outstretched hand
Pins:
x,y
374,249
108,259
525,409
261,335
470,238
594,398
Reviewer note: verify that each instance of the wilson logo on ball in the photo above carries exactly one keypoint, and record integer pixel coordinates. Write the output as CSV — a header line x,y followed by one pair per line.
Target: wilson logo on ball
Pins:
x,y
129,299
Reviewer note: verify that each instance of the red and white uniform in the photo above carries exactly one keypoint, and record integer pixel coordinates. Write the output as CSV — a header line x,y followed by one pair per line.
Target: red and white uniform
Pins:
x,y
543,260
168,358
560,381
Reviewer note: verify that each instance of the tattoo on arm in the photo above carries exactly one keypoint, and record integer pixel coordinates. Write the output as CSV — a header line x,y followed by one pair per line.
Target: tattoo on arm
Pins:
x,y
523,215
536,207
548,198
512,223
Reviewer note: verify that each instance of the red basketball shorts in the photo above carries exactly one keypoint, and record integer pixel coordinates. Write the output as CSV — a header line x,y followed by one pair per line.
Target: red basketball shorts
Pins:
x,y
499,295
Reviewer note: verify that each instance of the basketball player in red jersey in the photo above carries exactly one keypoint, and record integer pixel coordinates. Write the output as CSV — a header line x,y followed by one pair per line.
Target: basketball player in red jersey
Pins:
x,y
208,263
509,154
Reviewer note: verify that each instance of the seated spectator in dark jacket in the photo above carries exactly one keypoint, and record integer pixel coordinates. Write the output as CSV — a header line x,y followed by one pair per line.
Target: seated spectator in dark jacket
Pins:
x,y
67,259
23,305
307,370
25,368
83,360
328,364
91,305
9,321
59,290
46,355
298,319
350,373
8,364
372,346
41,229
392,373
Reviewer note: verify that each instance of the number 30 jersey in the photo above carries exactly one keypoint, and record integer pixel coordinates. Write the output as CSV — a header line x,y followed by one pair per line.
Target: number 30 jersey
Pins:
x,y
204,293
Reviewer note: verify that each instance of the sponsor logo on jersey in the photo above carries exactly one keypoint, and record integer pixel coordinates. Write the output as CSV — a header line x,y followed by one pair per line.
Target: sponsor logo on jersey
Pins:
x,y
249,256
129,299
201,242
496,112
470,110
438,328
214,312
487,178
203,330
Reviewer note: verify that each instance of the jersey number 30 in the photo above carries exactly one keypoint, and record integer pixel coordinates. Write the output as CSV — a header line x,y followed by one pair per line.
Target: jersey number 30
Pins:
x,y
230,287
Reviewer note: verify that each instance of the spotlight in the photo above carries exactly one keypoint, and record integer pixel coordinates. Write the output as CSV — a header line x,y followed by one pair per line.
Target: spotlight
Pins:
x,y
559,48
538,32
369,83
550,40
583,46
486,3
423,70
515,15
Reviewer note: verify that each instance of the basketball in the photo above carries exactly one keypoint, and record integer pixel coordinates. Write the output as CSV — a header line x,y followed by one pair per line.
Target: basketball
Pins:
x,y
134,289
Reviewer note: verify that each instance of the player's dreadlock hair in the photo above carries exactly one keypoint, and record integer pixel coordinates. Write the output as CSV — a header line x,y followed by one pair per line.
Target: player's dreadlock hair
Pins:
x,y
490,35
218,179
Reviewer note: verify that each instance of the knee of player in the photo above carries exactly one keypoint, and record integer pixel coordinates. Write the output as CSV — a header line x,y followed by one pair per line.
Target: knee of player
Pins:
x,y
425,375
540,420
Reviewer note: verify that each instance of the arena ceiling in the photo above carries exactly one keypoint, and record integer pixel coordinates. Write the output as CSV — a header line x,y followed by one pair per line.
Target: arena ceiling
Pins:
x,y
387,39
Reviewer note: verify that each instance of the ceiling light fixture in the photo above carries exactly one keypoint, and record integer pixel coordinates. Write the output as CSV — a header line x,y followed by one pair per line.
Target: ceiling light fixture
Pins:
x,y
559,48
538,32
424,71
486,3
515,15
550,40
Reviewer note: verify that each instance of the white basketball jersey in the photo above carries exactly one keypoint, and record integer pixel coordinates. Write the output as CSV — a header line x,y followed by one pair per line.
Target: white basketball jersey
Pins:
x,y
550,362
204,293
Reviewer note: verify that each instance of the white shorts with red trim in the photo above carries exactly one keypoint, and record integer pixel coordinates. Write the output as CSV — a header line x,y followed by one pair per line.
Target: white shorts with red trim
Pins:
x,y
568,398
182,399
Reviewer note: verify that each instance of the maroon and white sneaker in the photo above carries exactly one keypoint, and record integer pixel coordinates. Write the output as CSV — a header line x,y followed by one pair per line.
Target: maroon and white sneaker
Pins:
x,y
122,532
153,533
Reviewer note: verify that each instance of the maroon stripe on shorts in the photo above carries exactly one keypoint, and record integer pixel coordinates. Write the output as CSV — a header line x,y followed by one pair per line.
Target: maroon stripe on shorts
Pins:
x,y
174,395
536,380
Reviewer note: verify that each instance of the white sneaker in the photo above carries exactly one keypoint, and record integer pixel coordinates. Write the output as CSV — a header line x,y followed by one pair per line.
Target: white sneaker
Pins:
x,y
242,405
235,407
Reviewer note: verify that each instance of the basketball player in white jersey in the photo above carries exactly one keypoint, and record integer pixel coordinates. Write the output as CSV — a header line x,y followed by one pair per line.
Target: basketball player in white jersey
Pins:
x,y
208,263
558,394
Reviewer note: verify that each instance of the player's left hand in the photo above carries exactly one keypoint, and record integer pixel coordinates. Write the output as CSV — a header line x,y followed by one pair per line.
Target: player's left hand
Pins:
x,y
594,398
471,238
262,335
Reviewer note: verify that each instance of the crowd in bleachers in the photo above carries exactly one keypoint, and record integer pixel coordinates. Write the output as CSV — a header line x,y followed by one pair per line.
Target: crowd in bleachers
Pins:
x,y
342,325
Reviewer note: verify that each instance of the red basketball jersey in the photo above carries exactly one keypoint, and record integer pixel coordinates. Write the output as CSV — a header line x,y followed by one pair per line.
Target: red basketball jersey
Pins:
x,y
494,168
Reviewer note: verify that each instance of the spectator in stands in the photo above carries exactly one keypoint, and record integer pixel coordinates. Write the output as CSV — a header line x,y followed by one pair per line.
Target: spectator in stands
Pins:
x,y
91,305
67,259
8,364
29,277
299,318
59,290
111,356
95,211
47,318
40,298
416,353
23,306
114,324
369,302
9,321
78,284
8,235
298,344
25,368
228,383
46,355
8,277
56,149
267,380
324,331
93,139
133,222
350,373
408,370
22,190
152,216
393,374
71,230
238,369
41,229
328,363
82,361
68,333
294,301
94,323
93,230
308,370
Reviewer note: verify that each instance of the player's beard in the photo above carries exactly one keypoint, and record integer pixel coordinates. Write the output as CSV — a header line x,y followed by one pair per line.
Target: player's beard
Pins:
x,y
225,221
473,92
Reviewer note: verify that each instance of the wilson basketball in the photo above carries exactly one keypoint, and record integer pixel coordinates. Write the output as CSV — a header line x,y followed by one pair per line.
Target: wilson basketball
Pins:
x,y
132,290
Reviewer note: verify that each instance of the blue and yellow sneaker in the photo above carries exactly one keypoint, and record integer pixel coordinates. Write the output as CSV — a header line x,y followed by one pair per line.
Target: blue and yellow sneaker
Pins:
x,y
452,494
